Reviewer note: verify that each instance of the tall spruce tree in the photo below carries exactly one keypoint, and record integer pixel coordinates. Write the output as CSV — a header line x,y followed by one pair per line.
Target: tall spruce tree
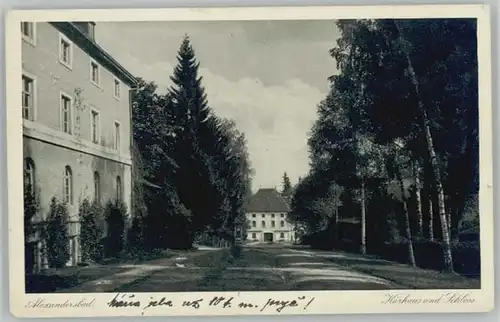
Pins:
x,y
198,162
194,180
287,185
188,95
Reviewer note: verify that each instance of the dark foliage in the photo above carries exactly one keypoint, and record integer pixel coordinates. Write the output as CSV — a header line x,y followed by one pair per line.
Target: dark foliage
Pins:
x,y
90,230
115,213
56,234
380,122
31,208
195,171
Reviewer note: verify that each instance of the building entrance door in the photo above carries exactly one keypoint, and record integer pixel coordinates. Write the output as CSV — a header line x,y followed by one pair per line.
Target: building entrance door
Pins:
x,y
268,237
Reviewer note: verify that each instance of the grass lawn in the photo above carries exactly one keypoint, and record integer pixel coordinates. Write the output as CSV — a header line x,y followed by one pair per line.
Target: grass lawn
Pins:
x,y
182,279
142,257
404,275
210,272
416,278
68,277
57,279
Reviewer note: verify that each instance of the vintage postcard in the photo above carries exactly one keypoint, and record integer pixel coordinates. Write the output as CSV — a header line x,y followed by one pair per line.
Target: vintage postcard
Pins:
x,y
250,161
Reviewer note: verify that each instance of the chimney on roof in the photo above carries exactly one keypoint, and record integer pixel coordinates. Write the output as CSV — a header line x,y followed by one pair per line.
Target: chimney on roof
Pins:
x,y
87,27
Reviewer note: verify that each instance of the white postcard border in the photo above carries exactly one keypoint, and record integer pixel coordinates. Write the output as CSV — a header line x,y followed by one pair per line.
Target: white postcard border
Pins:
x,y
325,302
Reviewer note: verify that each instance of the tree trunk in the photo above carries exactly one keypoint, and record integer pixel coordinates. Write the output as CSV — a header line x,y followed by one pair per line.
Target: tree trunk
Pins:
x,y
448,219
448,260
363,218
431,220
418,196
335,223
411,253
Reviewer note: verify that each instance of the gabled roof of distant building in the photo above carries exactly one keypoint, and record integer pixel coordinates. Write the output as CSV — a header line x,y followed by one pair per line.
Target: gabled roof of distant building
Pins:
x,y
267,200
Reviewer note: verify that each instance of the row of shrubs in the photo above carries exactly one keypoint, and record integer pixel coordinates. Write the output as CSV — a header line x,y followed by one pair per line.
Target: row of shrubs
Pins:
x,y
102,231
213,239
428,254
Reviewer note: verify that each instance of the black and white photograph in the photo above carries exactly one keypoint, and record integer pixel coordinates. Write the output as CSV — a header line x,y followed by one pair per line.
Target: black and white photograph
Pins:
x,y
251,155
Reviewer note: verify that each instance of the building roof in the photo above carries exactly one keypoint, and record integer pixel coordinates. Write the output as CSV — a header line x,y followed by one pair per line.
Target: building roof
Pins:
x,y
267,200
95,51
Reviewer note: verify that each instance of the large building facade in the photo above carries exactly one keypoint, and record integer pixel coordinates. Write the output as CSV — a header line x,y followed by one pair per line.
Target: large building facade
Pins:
x,y
267,218
76,103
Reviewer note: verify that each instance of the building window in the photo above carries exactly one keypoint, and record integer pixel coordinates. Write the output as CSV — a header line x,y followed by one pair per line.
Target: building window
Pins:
x,y
253,215
263,224
263,215
28,31
68,186
282,215
66,114
282,223
273,224
65,51
94,126
118,188
28,94
282,235
29,175
254,236
254,224
97,187
117,88
272,215
117,136
94,72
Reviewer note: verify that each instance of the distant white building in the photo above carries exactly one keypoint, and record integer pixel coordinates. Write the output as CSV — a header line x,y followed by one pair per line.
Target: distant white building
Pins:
x,y
267,215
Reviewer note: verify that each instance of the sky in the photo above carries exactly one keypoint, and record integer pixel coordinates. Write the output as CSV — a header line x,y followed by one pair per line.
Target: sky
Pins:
x,y
268,76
